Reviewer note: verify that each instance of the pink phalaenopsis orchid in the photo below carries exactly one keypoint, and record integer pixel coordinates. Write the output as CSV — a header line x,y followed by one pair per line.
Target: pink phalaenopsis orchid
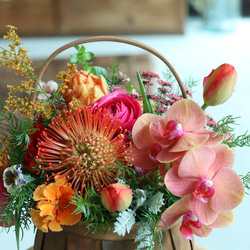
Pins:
x,y
190,222
180,130
207,175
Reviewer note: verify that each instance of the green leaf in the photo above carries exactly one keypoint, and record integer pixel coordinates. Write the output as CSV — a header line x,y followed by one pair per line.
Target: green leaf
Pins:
x,y
129,88
146,103
100,71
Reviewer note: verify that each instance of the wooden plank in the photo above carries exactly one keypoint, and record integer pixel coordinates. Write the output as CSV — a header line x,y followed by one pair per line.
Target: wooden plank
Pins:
x,y
31,17
122,17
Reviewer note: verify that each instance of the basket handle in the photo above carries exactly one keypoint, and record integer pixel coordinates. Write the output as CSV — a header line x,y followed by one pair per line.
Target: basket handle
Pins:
x,y
111,39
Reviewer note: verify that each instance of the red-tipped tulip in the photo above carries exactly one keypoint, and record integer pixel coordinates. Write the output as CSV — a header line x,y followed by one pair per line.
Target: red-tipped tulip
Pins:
x,y
116,197
219,85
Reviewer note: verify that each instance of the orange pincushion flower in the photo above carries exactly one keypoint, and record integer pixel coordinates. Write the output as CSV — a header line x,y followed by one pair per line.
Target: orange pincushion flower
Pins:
x,y
54,208
84,146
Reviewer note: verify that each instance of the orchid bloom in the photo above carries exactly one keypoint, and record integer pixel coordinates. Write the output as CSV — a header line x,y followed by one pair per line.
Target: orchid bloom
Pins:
x,y
207,175
181,129
190,223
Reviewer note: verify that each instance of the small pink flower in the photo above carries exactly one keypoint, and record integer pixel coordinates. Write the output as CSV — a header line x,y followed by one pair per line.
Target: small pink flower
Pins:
x,y
50,87
121,106
206,175
116,197
219,85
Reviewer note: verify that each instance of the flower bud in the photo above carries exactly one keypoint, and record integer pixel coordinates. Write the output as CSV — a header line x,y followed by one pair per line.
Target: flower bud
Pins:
x,y
85,88
116,197
219,85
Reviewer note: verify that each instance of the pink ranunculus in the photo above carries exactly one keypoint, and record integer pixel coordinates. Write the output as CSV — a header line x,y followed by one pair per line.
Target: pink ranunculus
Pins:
x,y
116,197
219,85
121,106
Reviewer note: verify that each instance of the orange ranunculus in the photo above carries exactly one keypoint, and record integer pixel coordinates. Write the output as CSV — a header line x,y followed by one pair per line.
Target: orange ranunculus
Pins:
x,y
84,87
53,206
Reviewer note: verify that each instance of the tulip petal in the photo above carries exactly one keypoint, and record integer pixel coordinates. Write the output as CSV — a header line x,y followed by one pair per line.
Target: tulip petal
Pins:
x,y
140,132
229,190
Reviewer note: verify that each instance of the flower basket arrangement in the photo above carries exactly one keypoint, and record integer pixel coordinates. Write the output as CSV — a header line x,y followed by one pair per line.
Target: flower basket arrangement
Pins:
x,y
91,156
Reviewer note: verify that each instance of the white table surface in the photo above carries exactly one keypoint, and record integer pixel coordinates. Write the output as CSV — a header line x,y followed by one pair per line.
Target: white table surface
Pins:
x,y
193,54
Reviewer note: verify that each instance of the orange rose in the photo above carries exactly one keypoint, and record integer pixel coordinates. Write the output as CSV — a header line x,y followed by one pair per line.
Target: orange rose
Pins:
x,y
53,206
84,88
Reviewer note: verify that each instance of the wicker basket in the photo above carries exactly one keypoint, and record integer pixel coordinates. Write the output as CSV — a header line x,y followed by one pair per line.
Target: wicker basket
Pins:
x,y
75,237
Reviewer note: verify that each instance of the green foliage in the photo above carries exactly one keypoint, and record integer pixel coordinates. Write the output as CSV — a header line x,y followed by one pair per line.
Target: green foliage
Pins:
x,y
82,56
147,108
150,199
246,182
224,126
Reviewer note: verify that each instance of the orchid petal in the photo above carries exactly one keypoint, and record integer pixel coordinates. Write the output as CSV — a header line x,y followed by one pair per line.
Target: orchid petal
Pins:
x,y
196,162
174,212
229,190
166,156
188,141
223,220
188,114
224,159
142,159
204,231
203,211
140,132
178,186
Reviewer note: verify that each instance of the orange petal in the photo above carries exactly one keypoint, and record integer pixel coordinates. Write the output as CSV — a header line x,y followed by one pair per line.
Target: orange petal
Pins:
x,y
39,193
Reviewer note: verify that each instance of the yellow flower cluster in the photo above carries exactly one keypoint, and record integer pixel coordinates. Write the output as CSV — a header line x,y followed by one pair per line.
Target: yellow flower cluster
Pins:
x,y
16,58
64,77
4,161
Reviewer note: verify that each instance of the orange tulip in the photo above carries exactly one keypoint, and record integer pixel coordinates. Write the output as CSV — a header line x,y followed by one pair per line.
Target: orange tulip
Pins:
x,y
219,85
84,88
53,206
116,197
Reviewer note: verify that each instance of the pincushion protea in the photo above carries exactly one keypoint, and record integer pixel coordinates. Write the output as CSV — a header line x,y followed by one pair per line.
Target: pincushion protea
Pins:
x,y
85,146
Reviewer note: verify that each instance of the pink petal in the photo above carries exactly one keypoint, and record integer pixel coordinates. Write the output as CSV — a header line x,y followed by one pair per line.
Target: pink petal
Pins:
x,y
196,162
157,129
188,114
140,132
204,231
166,156
229,190
188,141
223,220
214,138
140,158
203,211
174,212
224,159
178,186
